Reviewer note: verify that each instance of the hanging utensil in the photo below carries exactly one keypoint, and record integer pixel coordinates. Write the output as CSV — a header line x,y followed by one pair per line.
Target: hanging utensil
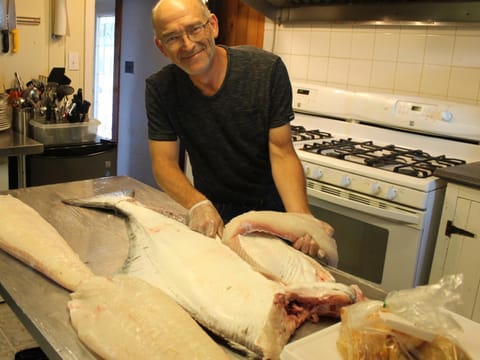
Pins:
x,y
18,82
12,25
4,26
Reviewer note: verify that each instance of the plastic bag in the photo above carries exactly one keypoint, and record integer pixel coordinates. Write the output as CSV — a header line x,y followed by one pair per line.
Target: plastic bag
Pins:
x,y
409,325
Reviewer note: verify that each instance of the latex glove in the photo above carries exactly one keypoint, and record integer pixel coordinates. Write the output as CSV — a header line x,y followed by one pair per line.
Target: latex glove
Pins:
x,y
205,219
307,245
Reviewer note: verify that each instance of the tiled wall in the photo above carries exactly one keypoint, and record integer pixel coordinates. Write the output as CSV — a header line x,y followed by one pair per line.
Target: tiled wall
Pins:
x,y
435,62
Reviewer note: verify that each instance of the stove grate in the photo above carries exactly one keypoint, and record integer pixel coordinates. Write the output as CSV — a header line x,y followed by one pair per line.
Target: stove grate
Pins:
x,y
299,133
411,162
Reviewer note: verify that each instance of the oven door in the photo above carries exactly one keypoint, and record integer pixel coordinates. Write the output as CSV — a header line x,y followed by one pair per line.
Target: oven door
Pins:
x,y
383,246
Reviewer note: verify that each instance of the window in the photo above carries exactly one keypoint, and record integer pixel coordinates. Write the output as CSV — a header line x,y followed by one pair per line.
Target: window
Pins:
x,y
103,77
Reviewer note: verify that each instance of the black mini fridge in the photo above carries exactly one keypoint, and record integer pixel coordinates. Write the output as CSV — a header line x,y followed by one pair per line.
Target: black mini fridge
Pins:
x,y
70,162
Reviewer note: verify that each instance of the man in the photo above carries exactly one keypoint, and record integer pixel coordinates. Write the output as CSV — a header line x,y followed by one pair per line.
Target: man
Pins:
x,y
231,107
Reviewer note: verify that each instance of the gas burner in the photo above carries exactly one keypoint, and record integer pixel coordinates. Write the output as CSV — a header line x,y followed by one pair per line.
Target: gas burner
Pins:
x,y
411,162
299,133
427,167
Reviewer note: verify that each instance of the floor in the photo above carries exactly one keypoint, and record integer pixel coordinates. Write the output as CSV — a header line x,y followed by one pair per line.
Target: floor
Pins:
x,y
13,336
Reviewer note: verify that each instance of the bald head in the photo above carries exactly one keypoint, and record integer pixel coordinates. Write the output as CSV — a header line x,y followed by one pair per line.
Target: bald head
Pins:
x,y
168,10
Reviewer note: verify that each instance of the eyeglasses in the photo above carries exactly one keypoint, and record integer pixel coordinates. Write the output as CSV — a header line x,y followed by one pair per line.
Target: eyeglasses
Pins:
x,y
195,33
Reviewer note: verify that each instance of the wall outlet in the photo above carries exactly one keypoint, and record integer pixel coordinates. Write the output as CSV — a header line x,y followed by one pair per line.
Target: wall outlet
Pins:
x,y
73,61
129,67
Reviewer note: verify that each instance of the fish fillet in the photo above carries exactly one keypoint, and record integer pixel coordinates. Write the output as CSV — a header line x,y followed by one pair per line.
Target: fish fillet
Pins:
x,y
288,226
263,251
301,274
126,318
25,235
220,290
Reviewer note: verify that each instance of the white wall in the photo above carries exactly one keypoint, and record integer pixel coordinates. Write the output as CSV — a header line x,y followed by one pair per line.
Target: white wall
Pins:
x,y
137,46
436,62
39,53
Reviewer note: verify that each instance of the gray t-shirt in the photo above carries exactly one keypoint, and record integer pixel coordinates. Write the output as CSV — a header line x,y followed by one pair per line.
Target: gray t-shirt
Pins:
x,y
226,135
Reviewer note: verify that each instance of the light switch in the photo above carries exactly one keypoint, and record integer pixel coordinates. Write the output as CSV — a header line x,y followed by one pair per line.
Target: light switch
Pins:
x,y
73,61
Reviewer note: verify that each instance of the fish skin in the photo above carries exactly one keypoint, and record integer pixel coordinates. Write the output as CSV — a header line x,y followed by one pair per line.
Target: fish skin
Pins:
x,y
25,235
246,309
288,226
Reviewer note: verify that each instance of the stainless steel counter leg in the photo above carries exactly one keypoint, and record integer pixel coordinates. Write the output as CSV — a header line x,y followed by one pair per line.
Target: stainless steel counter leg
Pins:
x,y
21,172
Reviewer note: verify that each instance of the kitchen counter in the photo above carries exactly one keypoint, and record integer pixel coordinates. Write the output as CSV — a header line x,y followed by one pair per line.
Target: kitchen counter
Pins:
x,y
100,239
466,174
16,144
19,145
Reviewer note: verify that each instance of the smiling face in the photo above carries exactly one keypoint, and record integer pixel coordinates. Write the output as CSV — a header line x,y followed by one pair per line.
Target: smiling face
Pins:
x,y
185,32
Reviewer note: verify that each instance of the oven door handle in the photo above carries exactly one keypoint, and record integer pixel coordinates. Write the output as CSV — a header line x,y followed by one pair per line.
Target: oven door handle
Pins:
x,y
391,213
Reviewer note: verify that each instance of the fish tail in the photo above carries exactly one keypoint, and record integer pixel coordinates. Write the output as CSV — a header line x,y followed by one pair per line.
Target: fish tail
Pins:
x,y
102,201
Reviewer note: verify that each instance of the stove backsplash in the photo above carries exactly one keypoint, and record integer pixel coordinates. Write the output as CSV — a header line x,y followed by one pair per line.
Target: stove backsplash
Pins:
x,y
438,62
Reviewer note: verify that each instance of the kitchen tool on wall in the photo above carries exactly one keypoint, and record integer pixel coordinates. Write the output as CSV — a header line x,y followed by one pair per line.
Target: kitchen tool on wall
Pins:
x,y
4,26
61,24
12,25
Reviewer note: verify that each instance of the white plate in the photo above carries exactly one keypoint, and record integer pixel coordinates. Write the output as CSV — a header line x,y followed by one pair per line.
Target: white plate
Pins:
x,y
324,342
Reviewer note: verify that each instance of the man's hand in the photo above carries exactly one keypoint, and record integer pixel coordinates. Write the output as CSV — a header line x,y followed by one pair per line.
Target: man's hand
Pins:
x,y
306,245
205,219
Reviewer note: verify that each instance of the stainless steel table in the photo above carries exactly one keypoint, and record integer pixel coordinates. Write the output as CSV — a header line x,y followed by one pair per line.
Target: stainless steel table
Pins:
x,y
101,241
16,144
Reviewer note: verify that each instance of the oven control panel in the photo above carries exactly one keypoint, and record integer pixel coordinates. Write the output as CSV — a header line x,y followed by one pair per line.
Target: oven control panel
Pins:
x,y
411,113
364,185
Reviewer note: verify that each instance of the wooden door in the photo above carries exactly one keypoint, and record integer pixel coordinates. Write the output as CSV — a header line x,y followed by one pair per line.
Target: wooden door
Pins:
x,y
240,24
457,253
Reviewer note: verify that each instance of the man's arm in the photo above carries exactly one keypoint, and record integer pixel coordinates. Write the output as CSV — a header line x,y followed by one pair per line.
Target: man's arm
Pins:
x,y
289,179
169,176
287,170
203,217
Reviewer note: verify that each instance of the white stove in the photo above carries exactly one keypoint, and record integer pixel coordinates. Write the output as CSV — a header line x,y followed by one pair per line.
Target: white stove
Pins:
x,y
370,160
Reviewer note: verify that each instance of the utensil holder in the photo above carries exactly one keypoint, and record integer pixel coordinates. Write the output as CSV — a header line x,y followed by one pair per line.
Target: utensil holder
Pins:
x,y
21,118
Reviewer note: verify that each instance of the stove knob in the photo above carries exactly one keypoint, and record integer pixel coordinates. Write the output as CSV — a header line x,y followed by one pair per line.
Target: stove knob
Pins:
x,y
306,169
345,181
447,116
375,188
317,173
392,193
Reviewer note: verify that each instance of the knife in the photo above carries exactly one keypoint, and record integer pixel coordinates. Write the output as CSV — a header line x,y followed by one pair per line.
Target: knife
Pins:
x,y
3,25
12,25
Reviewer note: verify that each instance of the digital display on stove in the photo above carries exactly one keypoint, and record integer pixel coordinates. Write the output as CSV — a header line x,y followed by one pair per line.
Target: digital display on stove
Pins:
x,y
416,108
303,91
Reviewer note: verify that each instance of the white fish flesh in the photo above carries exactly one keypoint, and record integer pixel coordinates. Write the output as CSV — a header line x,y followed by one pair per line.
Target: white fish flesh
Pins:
x,y
121,319
25,235
220,290
125,318
278,261
288,226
